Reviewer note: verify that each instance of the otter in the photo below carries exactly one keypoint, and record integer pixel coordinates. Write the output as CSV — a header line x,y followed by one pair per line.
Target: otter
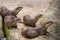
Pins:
x,y
10,21
29,21
5,11
35,32
8,14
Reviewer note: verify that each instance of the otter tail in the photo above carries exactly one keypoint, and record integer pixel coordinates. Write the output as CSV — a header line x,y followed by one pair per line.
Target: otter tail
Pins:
x,y
47,24
37,17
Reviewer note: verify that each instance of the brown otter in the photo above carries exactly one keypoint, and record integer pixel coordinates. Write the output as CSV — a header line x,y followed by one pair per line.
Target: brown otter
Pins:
x,y
5,11
10,21
27,20
35,32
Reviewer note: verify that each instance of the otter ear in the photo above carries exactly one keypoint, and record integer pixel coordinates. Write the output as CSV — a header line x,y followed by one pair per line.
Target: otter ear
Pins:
x,y
17,9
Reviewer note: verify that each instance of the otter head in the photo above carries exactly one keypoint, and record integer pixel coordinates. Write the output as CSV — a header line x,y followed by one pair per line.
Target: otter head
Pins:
x,y
10,20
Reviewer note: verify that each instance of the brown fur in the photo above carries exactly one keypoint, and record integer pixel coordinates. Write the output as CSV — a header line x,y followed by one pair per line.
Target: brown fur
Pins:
x,y
10,21
35,32
27,20
5,11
